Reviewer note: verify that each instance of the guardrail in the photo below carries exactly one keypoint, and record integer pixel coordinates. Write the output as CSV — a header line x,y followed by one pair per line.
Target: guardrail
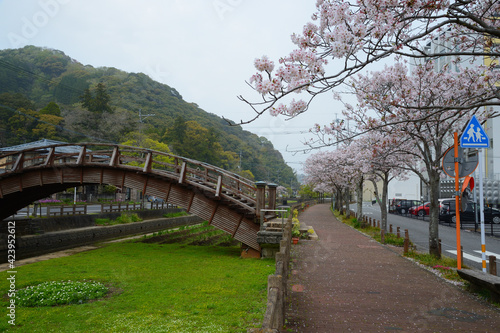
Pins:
x,y
493,229
69,210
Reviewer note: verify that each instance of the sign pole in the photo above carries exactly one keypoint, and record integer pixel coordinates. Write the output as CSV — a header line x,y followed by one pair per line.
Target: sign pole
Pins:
x,y
457,203
481,206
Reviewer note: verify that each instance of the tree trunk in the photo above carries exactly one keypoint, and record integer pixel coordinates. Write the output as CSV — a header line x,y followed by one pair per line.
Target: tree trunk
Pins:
x,y
359,198
347,199
338,200
434,215
382,201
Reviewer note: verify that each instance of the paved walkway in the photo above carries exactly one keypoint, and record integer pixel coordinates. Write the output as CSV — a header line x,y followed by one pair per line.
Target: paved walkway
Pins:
x,y
346,282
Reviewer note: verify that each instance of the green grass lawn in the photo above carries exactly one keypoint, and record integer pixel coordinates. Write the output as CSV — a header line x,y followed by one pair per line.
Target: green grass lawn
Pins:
x,y
155,288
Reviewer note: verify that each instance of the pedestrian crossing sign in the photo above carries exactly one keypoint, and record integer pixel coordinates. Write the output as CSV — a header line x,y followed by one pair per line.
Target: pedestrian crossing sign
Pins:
x,y
474,135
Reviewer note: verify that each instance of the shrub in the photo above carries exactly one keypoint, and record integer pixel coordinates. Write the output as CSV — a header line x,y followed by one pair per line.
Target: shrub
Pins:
x,y
355,223
128,218
103,221
295,228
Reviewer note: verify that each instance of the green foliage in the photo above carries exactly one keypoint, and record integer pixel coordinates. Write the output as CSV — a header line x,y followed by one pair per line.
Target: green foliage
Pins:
x,y
103,221
123,218
59,293
390,239
52,109
444,265
307,192
98,103
373,232
109,189
67,201
295,227
128,218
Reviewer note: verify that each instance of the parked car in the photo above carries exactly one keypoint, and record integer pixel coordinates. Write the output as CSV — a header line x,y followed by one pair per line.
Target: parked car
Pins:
x,y
404,205
421,210
447,213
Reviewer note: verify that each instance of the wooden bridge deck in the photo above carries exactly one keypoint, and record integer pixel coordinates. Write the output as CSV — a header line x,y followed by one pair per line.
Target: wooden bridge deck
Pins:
x,y
225,199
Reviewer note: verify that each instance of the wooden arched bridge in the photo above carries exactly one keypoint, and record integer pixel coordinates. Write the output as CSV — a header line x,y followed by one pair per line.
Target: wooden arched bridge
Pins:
x,y
226,200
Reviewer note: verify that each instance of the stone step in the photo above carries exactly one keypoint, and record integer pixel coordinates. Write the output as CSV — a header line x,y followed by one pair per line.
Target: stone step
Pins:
x,y
273,224
271,229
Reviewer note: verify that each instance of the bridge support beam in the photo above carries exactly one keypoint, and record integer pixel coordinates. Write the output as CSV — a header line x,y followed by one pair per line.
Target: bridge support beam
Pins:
x,y
248,252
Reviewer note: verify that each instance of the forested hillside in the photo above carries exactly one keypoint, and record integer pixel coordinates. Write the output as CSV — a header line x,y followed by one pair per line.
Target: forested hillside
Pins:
x,y
46,94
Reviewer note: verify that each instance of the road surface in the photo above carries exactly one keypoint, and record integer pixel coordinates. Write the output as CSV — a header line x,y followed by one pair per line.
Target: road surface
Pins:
x,y
418,230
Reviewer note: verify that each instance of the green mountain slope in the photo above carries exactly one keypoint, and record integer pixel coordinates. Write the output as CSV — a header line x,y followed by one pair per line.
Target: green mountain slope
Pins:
x,y
33,78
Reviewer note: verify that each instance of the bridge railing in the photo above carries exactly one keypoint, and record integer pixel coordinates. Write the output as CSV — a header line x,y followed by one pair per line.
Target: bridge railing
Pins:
x,y
210,178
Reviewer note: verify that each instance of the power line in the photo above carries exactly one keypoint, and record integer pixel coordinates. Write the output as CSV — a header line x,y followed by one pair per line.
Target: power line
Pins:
x,y
22,70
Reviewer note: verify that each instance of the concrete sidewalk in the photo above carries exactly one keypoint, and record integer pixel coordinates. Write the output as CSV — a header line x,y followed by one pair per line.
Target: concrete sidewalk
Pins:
x,y
347,282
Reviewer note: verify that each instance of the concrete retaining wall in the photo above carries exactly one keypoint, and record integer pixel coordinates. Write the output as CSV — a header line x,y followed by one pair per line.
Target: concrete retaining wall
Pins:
x,y
38,225
34,245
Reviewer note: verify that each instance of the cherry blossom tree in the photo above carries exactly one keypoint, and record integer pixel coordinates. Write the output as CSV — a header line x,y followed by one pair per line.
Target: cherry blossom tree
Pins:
x,y
326,172
356,34
346,38
405,105
384,158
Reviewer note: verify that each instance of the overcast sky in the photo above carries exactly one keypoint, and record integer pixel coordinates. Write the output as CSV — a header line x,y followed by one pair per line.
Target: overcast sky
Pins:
x,y
203,48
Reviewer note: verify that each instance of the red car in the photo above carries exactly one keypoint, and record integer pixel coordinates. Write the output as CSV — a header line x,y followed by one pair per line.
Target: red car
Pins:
x,y
420,210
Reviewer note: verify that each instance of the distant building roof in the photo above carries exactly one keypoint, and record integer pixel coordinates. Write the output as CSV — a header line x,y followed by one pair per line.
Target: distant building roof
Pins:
x,y
42,143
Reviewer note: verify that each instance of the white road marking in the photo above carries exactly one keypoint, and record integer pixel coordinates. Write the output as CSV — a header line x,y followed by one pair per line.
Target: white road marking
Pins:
x,y
467,256
488,253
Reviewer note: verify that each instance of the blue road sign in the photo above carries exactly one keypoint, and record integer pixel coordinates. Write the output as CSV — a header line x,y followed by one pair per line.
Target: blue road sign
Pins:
x,y
474,135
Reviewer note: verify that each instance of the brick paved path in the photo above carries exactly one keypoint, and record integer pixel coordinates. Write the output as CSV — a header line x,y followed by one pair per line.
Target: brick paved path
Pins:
x,y
347,282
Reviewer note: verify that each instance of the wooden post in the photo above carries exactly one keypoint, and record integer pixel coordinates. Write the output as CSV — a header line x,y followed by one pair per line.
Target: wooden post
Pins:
x,y
439,246
407,241
390,228
399,233
261,198
493,265
271,190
